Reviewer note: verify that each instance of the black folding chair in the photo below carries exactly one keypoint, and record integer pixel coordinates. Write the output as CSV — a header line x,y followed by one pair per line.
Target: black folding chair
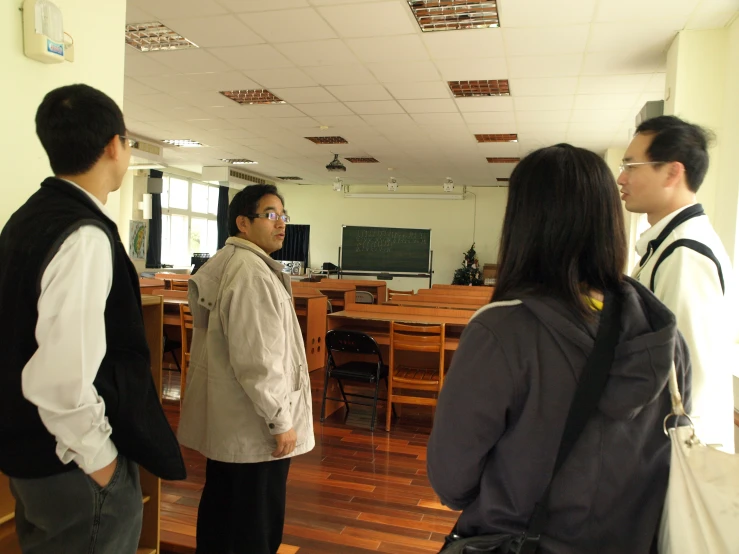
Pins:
x,y
353,342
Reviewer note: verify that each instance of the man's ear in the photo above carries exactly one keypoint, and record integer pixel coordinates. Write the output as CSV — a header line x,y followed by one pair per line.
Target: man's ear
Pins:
x,y
675,173
114,148
243,224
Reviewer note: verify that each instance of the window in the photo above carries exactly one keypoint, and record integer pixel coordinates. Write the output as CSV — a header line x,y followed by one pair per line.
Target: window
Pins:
x,y
189,222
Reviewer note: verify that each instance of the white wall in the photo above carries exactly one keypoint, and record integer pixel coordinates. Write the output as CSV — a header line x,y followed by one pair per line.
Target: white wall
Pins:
x,y
454,224
97,28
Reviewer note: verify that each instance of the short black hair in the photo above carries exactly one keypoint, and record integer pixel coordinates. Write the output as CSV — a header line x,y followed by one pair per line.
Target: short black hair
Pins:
x,y
675,140
563,231
245,203
74,124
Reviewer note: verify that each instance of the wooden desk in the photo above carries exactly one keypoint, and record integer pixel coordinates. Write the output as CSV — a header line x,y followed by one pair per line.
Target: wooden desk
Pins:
x,y
311,308
150,484
467,300
477,292
377,288
340,294
375,321
433,304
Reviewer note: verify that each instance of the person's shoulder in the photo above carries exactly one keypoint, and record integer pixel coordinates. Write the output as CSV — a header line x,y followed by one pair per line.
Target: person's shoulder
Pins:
x,y
498,315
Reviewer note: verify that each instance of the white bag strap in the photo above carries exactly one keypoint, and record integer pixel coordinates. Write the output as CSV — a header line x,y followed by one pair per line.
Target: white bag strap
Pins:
x,y
677,400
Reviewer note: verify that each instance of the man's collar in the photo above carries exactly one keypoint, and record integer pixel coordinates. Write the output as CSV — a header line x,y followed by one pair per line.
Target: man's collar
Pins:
x,y
654,231
92,197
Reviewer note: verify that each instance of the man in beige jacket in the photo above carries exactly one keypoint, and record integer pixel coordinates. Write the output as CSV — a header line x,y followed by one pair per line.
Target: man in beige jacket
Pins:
x,y
248,402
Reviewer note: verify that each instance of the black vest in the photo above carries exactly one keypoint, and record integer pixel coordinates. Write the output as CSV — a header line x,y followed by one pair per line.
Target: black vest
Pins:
x,y
29,241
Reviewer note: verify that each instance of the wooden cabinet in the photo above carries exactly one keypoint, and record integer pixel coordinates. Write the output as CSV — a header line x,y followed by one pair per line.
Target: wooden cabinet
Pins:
x,y
150,484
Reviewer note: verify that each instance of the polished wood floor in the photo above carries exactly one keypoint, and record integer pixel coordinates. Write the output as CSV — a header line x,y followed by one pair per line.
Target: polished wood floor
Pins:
x,y
357,492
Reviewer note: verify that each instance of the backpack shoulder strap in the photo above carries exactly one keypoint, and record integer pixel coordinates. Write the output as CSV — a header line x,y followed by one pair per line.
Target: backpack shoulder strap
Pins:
x,y
693,245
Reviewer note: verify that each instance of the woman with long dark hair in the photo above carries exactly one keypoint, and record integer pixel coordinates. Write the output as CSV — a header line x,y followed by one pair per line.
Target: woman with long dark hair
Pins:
x,y
506,398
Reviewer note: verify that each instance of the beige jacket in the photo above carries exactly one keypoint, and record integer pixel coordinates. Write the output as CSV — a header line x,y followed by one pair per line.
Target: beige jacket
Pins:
x,y
248,376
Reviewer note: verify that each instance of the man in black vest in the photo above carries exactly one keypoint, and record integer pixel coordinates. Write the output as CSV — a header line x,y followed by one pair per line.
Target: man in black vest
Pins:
x,y
683,261
78,406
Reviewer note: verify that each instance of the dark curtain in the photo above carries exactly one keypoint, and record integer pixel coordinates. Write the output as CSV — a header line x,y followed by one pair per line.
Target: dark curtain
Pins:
x,y
295,247
154,250
222,216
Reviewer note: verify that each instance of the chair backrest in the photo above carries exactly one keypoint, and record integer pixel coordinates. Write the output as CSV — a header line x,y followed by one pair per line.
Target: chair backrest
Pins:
x,y
351,342
185,325
391,292
364,297
180,284
418,338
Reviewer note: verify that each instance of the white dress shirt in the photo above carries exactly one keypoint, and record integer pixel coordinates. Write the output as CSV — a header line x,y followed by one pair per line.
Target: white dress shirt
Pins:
x,y
70,333
687,282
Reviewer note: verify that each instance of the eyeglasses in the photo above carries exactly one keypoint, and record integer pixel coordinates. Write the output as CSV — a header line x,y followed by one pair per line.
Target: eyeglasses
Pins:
x,y
626,167
272,216
131,142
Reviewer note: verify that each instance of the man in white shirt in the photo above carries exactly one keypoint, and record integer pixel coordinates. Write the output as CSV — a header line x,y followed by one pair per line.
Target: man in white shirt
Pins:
x,y
684,262
78,406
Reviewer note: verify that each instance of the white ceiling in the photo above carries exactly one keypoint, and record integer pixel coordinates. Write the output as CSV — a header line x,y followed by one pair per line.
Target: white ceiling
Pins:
x,y
579,71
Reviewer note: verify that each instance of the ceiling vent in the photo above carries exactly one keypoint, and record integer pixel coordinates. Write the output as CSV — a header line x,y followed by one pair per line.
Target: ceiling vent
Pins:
x,y
183,143
151,37
362,160
146,155
503,160
228,176
497,138
450,15
238,161
501,182
290,178
328,140
490,87
335,164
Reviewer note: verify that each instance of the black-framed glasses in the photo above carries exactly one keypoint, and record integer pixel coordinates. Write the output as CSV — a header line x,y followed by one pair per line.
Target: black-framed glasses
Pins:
x,y
272,216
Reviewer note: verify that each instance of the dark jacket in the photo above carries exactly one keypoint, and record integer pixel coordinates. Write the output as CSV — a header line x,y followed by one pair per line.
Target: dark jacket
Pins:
x,y
28,242
502,412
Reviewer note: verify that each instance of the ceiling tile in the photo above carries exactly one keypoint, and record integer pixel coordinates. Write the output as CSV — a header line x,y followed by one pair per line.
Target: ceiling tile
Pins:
x,y
643,36
404,72
227,80
473,69
163,9
275,110
172,83
544,13
135,14
303,95
370,20
389,49
389,120
543,87
656,83
360,93
276,78
489,104
353,122
203,99
289,25
240,6
445,120
440,105
537,127
259,56
626,63
318,52
301,122
472,43
531,103
624,10
340,75
601,115
489,117
138,64
375,107
132,87
326,108
712,15
544,66
419,91
219,30
614,84
556,116
159,101
546,41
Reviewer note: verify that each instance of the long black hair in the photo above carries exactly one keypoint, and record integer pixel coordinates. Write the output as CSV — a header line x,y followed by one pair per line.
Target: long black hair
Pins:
x,y
563,232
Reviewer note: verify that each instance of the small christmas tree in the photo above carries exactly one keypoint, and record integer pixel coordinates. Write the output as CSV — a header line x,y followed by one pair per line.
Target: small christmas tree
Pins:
x,y
469,273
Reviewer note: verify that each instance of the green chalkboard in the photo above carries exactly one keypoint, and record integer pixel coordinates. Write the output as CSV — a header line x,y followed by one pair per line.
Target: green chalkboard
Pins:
x,y
385,249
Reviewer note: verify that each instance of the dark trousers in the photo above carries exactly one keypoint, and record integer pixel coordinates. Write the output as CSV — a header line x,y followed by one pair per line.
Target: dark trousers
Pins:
x,y
242,510
69,513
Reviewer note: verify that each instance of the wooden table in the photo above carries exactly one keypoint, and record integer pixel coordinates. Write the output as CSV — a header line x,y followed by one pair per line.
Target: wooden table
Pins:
x,y
434,304
340,294
378,289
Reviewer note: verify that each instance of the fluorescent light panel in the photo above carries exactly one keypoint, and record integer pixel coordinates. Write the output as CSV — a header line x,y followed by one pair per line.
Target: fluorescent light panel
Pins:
x,y
184,143
153,36
449,15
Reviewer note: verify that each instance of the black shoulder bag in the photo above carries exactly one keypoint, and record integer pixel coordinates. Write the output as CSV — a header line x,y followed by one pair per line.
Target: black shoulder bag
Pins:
x,y
584,404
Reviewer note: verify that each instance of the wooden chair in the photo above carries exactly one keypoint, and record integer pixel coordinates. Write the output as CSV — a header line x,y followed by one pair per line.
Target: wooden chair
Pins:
x,y
178,284
186,325
391,292
414,338
364,297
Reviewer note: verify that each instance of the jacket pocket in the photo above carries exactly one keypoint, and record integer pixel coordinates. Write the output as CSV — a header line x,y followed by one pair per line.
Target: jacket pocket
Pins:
x,y
298,412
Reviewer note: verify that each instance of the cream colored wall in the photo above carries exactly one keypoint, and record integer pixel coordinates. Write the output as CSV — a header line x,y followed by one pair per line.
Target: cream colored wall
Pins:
x,y
97,28
703,87
452,222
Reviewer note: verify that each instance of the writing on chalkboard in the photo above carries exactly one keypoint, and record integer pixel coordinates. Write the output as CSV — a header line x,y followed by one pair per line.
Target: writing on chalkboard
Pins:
x,y
383,240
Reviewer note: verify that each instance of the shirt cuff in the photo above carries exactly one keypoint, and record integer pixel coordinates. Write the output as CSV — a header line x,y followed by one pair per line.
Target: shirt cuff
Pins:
x,y
104,457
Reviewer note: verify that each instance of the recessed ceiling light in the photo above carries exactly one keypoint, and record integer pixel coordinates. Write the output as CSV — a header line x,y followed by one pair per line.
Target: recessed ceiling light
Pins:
x,y
362,160
490,87
328,140
184,143
448,15
497,138
323,127
503,160
254,96
150,37
238,161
